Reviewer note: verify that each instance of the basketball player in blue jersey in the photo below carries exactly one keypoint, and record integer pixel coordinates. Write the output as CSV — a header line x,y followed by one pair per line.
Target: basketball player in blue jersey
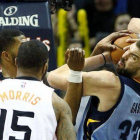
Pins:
x,y
117,115
29,109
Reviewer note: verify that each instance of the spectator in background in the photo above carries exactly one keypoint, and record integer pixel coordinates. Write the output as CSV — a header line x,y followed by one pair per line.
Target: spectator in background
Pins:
x,y
100,17
121,22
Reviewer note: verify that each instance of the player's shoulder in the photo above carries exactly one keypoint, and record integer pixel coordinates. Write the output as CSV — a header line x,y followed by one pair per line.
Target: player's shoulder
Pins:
x,y
101,72
102,76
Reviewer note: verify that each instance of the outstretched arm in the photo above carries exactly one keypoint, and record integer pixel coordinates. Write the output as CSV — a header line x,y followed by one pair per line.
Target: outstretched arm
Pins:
x,y
65,129
58,77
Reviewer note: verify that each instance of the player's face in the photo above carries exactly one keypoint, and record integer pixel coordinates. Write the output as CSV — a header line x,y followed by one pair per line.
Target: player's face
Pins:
x,y
129,64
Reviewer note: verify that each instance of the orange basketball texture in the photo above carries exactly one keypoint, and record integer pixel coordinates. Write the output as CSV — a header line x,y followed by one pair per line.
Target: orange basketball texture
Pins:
x,y
120,43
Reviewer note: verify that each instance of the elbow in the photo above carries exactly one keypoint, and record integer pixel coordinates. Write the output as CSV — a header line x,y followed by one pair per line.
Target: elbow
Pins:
x,y
50,79
56,81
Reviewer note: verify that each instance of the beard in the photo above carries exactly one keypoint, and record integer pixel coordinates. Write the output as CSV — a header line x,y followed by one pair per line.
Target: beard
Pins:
x,y
126,72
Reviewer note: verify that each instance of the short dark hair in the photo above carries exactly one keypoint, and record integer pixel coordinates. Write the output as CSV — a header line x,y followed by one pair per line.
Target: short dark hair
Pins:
x,y
32,55
7,39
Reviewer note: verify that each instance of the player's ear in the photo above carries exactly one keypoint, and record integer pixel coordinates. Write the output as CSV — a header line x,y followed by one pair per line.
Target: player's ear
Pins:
x,y
5,56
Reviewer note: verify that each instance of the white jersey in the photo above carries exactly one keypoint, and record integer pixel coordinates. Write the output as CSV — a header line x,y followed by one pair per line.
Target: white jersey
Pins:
x,y
26,111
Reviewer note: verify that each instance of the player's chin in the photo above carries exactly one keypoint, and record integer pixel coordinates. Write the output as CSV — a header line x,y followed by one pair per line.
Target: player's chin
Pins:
x,y
120,71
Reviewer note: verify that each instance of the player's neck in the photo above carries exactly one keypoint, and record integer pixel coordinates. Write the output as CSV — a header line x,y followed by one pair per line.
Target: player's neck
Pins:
x,y
8,73
27,73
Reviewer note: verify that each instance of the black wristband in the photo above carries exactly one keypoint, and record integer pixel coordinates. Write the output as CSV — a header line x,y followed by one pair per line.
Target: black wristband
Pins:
x,y
104,59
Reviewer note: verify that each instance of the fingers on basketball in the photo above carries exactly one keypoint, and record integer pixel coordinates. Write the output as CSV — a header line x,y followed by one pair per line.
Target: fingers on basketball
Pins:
x,y
121,33
132,40
120,43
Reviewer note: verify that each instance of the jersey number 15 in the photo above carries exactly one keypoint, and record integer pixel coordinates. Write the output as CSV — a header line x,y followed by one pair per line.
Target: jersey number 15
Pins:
x,y
14,125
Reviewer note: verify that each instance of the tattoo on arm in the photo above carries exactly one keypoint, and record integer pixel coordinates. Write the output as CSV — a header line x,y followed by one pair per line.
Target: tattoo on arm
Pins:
x,y
65,129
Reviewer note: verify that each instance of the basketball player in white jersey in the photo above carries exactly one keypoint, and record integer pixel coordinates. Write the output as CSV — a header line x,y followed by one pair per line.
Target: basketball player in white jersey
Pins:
x,y
10,40
30,110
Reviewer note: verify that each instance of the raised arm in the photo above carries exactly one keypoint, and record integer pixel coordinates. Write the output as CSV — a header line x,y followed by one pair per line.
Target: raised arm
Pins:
x,y
65,129
75,61
106,43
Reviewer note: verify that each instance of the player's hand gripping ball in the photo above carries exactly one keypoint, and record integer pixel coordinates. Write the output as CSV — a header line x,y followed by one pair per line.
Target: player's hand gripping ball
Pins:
x,y
120,43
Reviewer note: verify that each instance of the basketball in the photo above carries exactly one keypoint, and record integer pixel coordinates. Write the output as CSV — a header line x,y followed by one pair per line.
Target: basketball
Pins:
x,y
120,43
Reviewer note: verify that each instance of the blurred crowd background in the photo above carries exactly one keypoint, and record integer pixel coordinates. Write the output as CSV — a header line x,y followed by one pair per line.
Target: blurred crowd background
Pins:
x,y
89,21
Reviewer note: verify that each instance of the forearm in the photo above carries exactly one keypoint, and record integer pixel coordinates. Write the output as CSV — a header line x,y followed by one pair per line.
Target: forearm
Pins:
x,y
66,133
93,62
73,98
65,129
97,50
58,78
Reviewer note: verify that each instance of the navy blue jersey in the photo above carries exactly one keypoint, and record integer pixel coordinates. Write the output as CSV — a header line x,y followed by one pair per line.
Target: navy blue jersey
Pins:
x,y
94,119
122,122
